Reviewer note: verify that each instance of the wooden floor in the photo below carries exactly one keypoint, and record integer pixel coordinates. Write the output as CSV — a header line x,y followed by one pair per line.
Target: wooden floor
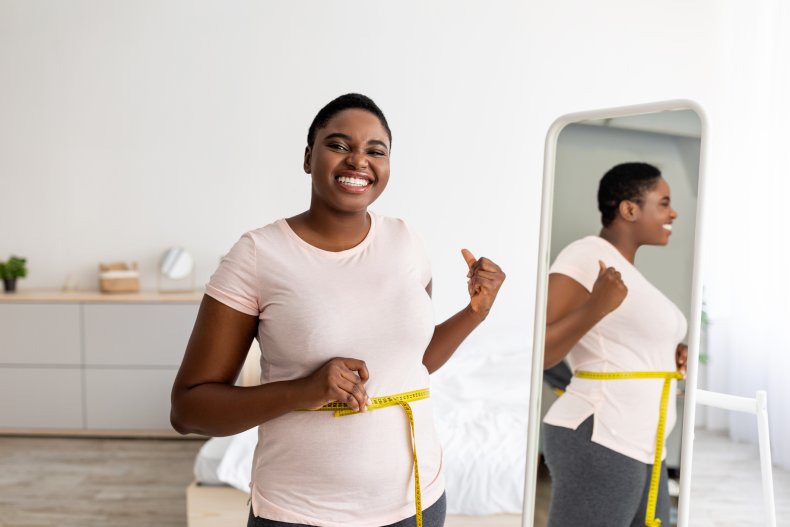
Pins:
x,y
94,482
138,482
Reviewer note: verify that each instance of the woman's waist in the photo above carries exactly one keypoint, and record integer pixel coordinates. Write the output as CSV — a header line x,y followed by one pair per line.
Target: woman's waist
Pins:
x,y
622,393
375,429
627,401
365,448
625,362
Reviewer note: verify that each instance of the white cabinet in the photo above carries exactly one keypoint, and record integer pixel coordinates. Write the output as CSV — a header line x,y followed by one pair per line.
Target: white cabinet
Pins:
x,y
91,362
48,398
130,399
39,333
136,335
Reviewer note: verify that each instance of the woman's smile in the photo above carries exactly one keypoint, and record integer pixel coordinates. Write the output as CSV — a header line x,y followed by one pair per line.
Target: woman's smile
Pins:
x,y
354,182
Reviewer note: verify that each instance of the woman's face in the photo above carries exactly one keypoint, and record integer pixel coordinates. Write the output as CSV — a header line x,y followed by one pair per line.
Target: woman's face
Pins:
x,y
656,215
349,161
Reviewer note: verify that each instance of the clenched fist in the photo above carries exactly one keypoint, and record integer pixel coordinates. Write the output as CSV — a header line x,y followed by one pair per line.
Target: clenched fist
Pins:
x,y
340,379
485,279
608,291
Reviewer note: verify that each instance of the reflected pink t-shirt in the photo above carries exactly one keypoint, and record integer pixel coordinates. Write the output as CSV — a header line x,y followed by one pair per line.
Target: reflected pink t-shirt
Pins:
x,y
642,334
368,302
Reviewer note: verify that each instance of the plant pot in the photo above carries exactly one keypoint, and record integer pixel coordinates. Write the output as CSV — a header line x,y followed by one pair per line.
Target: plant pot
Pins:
x,y
10,284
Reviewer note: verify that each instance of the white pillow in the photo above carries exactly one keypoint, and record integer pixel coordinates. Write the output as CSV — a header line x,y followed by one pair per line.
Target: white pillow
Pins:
x,y
208,460
235,469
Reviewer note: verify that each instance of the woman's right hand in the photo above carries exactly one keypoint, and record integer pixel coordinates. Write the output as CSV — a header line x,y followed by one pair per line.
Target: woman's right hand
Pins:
x,y
340,379
608,291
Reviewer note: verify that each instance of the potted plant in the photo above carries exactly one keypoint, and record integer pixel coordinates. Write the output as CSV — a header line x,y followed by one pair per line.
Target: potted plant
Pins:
x,y
11,270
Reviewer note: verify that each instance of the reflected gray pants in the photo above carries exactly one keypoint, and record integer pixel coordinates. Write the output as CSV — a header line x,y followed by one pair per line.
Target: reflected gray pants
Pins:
x,y
433,516
592,485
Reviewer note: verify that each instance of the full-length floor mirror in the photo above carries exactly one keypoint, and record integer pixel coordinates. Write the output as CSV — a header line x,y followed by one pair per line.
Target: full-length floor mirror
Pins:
x,y
617,318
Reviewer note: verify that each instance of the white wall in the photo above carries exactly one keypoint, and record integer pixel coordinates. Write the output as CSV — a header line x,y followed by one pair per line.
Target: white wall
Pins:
x,y
132,126
127,127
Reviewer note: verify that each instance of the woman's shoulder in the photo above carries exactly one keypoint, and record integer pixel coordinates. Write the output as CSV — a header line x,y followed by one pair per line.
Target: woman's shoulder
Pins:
x,y
391,222
391,225
271,232
397,231
583,248
579,260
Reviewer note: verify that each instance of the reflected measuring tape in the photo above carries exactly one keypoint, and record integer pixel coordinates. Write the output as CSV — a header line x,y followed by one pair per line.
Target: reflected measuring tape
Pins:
x,y
652,497
403,400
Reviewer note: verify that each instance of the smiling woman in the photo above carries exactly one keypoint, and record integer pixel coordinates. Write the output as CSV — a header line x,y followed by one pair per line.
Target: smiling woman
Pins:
x,y
339,299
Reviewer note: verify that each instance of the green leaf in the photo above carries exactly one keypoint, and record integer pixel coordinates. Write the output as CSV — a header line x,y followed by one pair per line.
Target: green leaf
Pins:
x,y
13,268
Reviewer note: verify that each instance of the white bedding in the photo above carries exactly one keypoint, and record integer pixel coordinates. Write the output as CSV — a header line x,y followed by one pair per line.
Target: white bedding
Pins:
x,y
480,403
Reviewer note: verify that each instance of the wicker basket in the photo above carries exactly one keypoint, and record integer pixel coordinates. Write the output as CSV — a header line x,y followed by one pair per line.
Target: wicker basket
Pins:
x,y
119,278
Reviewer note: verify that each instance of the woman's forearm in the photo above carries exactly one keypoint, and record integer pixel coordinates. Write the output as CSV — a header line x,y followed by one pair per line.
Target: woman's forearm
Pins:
x,y
448,336
217,409
563,334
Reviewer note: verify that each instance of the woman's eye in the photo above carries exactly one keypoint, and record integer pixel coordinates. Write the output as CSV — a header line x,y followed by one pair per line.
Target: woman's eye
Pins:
x,y
377,153
337,146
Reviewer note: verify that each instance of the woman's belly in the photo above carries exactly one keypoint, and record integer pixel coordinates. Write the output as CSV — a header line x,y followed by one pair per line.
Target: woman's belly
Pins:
x,y
324,466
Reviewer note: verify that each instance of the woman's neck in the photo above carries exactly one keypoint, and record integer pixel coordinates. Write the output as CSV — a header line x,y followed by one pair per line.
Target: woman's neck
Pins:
x,y
330,230
622,241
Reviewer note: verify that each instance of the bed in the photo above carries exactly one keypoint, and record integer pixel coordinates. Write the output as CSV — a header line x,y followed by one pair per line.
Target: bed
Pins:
x,y
480,402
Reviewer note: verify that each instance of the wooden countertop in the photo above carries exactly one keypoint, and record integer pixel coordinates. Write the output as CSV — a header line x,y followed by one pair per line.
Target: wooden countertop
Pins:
x,y
44,296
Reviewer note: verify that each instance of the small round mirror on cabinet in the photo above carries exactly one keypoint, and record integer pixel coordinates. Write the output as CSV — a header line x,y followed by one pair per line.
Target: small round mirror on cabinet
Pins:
x,y
176,268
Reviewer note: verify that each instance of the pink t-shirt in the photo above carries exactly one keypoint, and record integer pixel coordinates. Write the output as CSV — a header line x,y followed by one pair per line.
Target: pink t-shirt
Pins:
x,y
368,302
642,334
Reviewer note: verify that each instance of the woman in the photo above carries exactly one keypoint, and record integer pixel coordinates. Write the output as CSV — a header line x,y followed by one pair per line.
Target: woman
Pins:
x,y
339,299
604,316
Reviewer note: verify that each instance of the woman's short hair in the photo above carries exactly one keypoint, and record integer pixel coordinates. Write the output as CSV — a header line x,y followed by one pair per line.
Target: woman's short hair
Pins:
x,y
346,102
624,182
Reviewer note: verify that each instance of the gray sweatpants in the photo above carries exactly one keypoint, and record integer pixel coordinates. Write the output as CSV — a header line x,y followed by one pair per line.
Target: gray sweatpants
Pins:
x,y
592,485
433,516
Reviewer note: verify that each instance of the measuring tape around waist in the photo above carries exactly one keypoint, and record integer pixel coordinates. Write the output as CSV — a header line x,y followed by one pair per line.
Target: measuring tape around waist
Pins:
x,y
655,477
398,399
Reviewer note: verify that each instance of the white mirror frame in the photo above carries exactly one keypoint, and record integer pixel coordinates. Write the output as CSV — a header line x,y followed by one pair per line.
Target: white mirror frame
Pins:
x,y
536,378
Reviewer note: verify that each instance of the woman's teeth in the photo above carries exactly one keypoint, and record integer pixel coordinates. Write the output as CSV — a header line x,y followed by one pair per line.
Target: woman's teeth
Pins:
x,y
354,182
668,227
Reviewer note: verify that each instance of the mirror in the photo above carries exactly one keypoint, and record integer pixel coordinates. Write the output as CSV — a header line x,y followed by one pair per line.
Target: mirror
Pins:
x,y
592,437
176,268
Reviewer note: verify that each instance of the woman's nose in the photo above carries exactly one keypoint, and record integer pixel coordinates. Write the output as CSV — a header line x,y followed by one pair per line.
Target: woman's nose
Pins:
x,y
357,160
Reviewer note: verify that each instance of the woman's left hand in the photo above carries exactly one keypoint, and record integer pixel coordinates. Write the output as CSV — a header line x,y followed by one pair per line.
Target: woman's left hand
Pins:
x,y
485,279
681,357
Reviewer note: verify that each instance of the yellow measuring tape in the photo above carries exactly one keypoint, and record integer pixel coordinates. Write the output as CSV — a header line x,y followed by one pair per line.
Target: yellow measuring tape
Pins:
x,y
402,399
652,497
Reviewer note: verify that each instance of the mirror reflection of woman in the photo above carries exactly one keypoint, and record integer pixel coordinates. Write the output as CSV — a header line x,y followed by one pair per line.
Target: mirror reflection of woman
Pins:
x,y
340,301
604,316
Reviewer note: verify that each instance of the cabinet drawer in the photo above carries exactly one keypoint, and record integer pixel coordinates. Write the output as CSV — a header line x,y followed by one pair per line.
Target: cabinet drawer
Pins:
x,y
137,335
41,398
128,399
40,334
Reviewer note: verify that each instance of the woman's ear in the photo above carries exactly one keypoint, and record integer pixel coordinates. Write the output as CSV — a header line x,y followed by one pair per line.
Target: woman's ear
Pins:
x,y
307,155
629,210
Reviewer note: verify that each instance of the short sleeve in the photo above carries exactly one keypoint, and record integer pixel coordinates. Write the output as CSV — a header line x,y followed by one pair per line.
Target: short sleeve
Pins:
x,y
235,283
579,261
420,252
